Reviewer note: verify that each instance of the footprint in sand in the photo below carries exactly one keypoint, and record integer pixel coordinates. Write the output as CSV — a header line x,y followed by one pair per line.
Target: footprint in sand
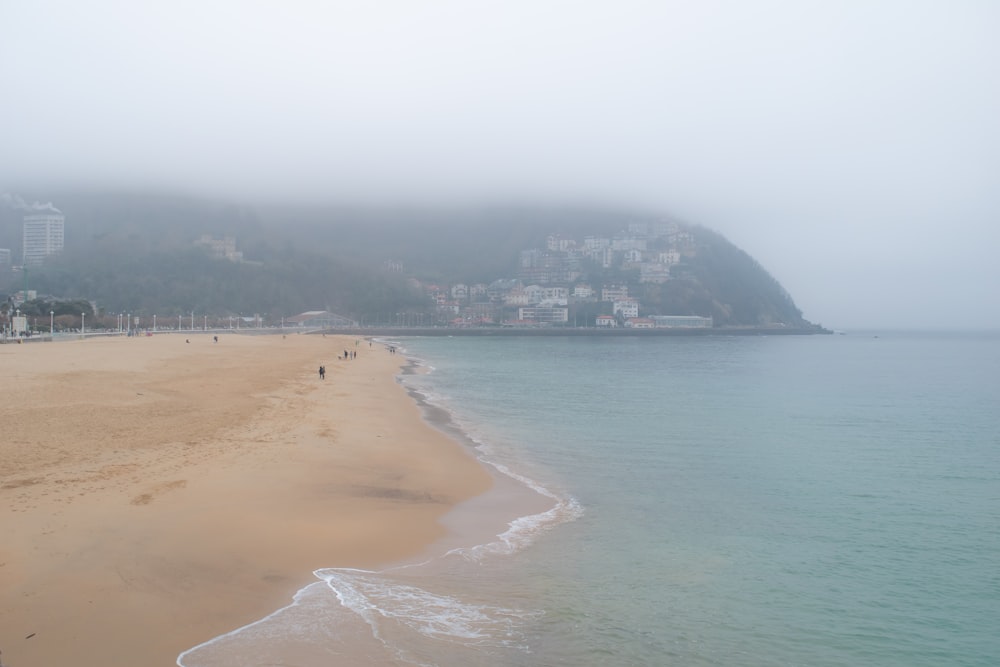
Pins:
x,y
146,498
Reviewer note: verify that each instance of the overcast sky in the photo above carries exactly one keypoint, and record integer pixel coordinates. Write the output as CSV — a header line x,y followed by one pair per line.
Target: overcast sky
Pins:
x,y
853,148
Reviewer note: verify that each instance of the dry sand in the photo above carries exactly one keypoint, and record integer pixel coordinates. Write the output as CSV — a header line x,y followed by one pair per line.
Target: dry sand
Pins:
x,y
156,493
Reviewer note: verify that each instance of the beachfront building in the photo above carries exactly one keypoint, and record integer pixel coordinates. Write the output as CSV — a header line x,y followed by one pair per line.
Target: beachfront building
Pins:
x,y
544,314
682,321
606,322
626,308
43,236
639,323
319,319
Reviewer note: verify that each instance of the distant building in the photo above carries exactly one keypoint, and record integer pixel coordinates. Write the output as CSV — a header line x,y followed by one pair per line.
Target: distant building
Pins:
x,y
544,314
682,321
626,308
639,323
224,248
319,319
606,321
5,258
614,292
43,236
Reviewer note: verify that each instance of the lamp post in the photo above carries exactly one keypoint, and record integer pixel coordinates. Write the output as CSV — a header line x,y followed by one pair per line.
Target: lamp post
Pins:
x,y
178,322
83,324
204,323
154,323
128,324
52,320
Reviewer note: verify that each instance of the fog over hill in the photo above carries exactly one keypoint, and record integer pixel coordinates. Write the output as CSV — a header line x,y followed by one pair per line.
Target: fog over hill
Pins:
x,y
151,254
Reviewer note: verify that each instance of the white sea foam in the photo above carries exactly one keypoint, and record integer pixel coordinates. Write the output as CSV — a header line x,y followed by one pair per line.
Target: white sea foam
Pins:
x,y
377,597
403,617
523,531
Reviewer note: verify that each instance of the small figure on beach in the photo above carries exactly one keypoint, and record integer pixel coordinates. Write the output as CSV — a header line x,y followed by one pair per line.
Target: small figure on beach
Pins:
x,y
322,372
216,338
187,340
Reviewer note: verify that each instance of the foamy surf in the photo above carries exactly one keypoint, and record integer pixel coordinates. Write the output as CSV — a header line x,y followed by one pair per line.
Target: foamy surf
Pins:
x,y
418,626
391,617
523,531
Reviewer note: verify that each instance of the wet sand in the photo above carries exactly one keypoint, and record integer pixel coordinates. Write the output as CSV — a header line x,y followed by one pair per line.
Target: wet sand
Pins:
x,y
156,493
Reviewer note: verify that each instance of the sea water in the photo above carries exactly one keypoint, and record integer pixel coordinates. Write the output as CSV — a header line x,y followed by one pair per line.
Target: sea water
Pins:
x,y
772,500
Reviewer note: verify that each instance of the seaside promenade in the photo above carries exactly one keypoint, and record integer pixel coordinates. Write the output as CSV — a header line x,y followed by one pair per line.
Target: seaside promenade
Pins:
x,y
156,493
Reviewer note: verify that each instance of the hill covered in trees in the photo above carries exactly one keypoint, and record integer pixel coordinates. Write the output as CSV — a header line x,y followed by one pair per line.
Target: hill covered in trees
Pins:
x,y
138,253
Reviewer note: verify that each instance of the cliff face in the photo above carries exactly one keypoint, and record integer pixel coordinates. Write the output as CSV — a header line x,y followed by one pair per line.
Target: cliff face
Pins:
x,y
138,253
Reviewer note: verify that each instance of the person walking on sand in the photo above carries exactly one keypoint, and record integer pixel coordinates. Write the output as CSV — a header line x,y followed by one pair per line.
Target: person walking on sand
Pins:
x,y
322,372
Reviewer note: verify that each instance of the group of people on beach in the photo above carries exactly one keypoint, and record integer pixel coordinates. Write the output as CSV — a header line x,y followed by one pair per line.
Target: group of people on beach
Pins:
x,y
350,354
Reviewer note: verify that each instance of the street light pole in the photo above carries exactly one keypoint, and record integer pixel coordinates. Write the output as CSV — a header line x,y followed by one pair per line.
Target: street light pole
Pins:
x,y
52,319
83,324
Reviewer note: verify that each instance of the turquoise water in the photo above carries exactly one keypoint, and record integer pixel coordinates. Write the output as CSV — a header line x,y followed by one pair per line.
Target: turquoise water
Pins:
x,y
822,500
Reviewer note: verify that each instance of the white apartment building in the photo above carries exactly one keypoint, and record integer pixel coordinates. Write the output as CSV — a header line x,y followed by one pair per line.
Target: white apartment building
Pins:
x,y
614,292
544,314
555,293
43,236
626,308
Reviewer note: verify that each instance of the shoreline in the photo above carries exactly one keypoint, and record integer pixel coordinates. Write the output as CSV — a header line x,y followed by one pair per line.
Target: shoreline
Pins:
x,y
485,518
389,331
134,532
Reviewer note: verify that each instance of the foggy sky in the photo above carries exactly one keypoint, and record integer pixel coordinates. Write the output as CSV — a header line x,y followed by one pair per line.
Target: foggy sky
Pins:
x,y
851,147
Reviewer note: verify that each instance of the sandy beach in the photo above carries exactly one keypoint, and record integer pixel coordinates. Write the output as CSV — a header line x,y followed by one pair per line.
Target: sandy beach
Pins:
x,y
156,493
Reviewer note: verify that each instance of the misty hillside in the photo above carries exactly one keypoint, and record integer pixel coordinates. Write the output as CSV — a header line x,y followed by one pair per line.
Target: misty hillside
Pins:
x,y
137,253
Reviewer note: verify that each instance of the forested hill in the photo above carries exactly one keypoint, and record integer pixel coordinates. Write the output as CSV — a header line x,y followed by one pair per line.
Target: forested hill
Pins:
x,y
137,253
